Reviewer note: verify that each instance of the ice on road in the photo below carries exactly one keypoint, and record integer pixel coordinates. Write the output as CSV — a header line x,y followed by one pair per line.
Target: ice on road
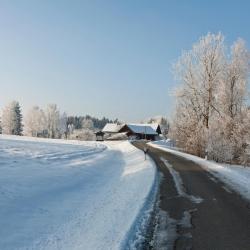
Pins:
x,y
69,195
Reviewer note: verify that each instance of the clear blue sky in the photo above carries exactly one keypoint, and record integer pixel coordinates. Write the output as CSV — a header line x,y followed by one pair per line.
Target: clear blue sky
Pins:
x,y
105,58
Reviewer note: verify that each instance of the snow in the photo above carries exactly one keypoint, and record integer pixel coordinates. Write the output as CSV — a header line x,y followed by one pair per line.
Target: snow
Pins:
x,y
57,194
111,128
142,129
165,233
179,183
234,176
154,126
118,136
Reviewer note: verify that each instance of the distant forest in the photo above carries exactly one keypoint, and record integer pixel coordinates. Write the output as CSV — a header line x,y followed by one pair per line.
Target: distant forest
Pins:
x,y
77,121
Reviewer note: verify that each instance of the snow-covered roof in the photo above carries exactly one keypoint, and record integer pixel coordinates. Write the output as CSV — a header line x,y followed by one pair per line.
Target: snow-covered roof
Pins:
x,y
154,126
142,129
111,128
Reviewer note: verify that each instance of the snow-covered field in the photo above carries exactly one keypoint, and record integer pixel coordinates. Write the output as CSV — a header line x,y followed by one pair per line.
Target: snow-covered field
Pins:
x,y
58,194
235,176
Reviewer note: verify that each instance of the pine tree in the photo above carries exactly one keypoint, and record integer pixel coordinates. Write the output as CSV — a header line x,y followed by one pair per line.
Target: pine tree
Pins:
x,y
19,118
12,119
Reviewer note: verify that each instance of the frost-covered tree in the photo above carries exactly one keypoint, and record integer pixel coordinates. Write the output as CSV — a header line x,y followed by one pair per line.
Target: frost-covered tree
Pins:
x,y
0,125
87,131
188,130
70,129
234,85
87,124
219,146
88,135
63,128
50,123
12,119
56,123
52,120
35,122
232,127
211,115
199,71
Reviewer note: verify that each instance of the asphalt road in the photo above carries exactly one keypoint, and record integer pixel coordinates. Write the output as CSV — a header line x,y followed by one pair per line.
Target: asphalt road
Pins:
x,y
204,213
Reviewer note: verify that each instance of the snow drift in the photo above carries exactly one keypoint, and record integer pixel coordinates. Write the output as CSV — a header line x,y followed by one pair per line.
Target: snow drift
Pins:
x,y
58,194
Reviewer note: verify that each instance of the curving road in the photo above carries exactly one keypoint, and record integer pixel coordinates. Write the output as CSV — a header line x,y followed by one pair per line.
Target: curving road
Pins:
x,y
196,210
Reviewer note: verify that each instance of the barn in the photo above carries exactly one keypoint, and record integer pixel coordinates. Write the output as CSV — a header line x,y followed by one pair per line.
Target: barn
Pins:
x,y
113,131
156,127
139,131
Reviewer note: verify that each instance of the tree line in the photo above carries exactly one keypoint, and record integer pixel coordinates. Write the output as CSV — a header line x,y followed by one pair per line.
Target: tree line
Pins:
x,y
212,117
49,123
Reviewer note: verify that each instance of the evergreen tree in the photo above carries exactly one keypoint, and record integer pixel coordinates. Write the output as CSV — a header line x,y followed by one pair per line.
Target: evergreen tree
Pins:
x,y
19,118
12,119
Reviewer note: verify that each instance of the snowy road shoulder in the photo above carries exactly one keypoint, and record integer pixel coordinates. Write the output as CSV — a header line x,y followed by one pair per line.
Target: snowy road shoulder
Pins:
x,y
71,195
236,177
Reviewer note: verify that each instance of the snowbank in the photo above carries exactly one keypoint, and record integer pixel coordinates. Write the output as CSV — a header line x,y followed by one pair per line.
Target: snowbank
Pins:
x,y
57,194
235,176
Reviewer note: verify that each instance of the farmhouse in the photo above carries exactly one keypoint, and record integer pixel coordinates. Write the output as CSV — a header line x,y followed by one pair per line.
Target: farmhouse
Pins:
x,y
139,131
111,128
113,131
155,126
